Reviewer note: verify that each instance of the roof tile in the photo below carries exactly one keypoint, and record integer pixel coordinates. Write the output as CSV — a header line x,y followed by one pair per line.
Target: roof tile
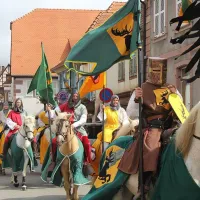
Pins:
x,y
55,28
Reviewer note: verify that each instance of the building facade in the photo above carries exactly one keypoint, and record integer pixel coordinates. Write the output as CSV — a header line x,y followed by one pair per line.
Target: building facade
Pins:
x,y
52,27
158,35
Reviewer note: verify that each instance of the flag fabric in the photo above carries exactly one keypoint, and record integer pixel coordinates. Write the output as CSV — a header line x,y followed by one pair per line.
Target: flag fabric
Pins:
x,y
92,83
113,41
42,81
110,179
185,5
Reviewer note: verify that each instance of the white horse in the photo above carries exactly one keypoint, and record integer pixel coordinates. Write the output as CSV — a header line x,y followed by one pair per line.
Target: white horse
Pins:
x,y
187,141
21,145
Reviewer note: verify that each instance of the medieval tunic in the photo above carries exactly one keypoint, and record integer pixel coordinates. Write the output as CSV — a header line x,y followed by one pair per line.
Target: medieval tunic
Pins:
x,y
43,123
3,117
155,108
78,119
113,120
13,119
79,116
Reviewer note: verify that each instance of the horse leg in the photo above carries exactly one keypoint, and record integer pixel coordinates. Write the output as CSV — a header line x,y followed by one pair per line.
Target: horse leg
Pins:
x,y
65,170
123,193
75,192
26,160
3,172
15,183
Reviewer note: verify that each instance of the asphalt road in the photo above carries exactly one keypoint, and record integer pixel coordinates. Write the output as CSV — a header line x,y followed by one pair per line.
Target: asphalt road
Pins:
x,y
36,189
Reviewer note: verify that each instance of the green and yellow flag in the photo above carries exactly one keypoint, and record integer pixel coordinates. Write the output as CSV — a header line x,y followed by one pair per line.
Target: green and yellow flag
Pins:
x,y
42,81
113,41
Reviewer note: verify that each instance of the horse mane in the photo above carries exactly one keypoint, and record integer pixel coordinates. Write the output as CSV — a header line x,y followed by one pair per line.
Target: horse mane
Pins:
x,y
29,119
126,128
184,134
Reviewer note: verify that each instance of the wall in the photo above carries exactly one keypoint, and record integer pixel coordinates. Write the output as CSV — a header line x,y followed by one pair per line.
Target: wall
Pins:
x,y
31,102
162,47
120,87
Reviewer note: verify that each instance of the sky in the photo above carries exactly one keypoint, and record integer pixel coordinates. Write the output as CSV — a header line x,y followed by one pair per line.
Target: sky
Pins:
x,y
13,9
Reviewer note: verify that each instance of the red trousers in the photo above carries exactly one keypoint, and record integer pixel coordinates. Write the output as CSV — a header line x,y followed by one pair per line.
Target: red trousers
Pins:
x,y
86,145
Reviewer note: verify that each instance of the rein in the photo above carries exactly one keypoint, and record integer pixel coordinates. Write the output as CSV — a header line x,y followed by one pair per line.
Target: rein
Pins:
x,y
196,137
60,125
25,136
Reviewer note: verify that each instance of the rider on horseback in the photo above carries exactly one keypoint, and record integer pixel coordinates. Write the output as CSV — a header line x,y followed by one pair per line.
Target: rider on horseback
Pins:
x,y
114,116
158,122
78,119
3,117
14,122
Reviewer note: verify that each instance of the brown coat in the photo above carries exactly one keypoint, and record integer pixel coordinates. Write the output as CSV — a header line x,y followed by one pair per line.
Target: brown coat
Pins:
x,y
154,104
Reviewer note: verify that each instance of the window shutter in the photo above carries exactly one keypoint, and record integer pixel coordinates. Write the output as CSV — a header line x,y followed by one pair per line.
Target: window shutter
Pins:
x,y
156,17
123,63
159,17
162,16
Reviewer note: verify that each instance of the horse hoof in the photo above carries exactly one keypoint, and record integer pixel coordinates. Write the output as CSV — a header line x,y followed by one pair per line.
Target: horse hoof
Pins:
x,y
24,187
16,184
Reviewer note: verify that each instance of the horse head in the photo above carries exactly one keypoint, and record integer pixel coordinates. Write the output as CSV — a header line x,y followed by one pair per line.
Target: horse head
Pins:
x,y
188,131
62,126
29,127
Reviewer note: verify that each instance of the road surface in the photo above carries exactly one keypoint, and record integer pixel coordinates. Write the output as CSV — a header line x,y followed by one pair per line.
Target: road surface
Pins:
x,y
36,189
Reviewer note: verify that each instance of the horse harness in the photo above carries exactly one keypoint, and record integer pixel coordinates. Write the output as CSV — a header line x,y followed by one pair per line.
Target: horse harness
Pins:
x,y
25,136
196,137
59,127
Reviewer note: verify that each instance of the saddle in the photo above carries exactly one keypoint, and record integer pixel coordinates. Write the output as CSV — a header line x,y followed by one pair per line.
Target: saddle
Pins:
x,y
41,134
10,140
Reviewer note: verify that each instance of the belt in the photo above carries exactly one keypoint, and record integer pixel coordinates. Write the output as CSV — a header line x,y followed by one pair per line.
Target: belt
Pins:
x,y
155,117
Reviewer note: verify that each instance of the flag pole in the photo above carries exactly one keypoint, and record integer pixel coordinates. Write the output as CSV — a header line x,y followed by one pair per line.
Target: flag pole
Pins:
x,y
103,132
49,118
141,164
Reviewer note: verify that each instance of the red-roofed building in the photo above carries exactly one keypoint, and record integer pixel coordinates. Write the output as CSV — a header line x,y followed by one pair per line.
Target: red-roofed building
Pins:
x,y
59,30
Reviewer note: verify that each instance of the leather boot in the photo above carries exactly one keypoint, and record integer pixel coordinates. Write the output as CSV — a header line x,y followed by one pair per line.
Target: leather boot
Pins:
x,y
34,148
5,151
87,148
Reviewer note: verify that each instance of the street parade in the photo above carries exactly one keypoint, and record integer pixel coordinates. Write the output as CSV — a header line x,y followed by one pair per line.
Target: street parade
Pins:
x,y
100,101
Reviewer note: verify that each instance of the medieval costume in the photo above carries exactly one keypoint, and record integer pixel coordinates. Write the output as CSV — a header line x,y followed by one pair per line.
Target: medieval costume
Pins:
x,y
157,121
3,126
14,121
114,116
78,119
42,141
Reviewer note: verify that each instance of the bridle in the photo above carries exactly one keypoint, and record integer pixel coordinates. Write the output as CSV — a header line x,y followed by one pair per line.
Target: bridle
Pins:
x,y
59,127
25,136
196,137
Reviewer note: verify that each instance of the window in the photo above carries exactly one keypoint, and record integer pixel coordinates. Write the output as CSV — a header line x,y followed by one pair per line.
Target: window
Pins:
x,y
121,71
28,82
185,88
159,18
54,85
179,11
133,66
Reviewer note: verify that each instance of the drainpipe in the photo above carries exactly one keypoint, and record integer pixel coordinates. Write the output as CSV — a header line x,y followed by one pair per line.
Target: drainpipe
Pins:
x,y
73,81
12,89
144,3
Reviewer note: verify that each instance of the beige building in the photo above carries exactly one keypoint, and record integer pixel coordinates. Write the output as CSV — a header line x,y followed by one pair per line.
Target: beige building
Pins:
x,y
158,35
